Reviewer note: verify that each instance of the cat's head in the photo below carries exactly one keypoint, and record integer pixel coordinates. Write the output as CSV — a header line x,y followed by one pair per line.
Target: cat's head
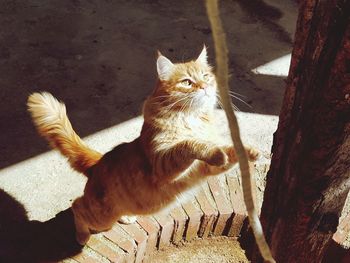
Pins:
x,y
186,86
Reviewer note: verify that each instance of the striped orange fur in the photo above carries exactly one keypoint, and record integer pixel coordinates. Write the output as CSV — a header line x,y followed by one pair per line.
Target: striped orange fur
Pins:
x,y
50,118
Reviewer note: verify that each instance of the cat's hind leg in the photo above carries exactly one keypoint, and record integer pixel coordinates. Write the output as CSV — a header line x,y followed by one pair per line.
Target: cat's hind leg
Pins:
x,y
93,217
82,233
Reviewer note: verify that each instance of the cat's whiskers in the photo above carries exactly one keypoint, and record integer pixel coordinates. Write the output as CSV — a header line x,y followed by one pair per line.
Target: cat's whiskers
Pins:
x,y
169,107
241,100
235,107
236,94
161,100
169,100
174,103
187,104
221,106
220,103
183,106
162,96
191,103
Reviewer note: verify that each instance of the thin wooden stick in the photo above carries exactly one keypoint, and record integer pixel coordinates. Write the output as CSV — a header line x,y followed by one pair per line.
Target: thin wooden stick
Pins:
x,y
222,79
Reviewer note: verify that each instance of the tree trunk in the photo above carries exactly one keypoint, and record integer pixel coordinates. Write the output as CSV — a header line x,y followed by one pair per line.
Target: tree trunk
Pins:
x,y
309,178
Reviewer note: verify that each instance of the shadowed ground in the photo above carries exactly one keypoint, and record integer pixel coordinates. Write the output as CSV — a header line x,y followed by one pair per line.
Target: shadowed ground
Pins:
x,y
99,58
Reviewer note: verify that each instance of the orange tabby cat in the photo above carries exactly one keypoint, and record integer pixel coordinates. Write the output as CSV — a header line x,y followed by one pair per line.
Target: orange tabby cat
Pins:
x,y
175,151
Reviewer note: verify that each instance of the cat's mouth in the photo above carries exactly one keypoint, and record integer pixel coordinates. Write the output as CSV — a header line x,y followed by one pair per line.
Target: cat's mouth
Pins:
x,y
205,93
203,97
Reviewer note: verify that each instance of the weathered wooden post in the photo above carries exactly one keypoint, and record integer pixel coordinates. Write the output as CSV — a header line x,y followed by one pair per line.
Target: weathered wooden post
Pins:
x,y
309,177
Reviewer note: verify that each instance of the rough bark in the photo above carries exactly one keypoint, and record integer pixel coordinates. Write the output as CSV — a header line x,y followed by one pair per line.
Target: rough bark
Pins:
x,y
309,176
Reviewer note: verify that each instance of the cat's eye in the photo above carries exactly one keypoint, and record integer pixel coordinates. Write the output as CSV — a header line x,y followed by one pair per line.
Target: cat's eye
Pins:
x,y
206,76
186,82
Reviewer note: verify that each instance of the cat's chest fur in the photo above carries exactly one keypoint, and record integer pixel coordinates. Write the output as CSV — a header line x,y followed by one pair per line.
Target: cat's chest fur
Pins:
x,y
191,126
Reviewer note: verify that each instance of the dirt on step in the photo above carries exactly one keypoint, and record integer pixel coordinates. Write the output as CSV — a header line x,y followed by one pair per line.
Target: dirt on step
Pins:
x,y
215,249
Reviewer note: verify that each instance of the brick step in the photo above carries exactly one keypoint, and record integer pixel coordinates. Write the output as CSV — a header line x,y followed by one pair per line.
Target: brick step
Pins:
x,y
217,209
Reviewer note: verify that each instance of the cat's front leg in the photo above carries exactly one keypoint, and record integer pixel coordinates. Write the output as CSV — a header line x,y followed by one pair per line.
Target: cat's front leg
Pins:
x,y
169,163
82,233
230,151
252,154
223,156
184,153
213,155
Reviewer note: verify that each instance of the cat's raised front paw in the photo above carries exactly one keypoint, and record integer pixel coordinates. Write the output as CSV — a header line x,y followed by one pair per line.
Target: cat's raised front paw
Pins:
x,y
252,154
127,220
231,153
217,157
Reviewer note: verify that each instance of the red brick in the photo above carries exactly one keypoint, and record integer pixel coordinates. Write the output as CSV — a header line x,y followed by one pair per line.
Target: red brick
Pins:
x,y
345,223
118,236
148,224
152,229
112,255
194,214
223,205
342,230
135,231
140,237
84,257
166,223
239,209
340,236
210,213
180,220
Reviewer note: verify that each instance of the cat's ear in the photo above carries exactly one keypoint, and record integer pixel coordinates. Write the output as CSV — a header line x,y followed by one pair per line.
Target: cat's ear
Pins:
x,y
164,67
203,58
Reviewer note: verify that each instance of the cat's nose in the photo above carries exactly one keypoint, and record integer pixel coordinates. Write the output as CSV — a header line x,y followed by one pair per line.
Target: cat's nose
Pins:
x,y
203,86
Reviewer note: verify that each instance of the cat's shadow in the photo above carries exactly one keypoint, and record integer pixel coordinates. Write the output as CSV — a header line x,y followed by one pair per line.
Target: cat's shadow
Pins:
x,y
22,240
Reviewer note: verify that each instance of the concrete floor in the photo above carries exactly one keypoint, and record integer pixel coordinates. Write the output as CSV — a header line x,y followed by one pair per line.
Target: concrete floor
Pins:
x,y
99,58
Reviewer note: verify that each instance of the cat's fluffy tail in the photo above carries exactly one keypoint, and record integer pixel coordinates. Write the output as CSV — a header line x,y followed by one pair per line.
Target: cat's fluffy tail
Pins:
x,y
50,118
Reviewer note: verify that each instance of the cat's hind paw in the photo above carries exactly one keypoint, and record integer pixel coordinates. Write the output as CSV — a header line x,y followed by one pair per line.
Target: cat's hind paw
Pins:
x,y
82,237
127,220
